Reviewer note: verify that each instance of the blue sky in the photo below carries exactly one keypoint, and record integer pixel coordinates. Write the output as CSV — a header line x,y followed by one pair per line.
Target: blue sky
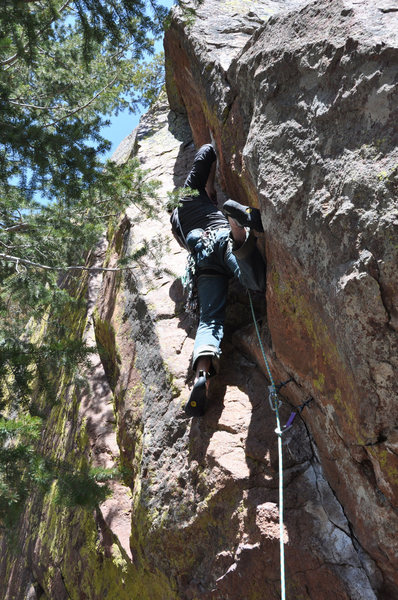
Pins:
x,y
125,122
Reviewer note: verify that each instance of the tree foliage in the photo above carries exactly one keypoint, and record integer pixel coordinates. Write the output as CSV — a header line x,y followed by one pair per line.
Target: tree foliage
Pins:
x,y
65,67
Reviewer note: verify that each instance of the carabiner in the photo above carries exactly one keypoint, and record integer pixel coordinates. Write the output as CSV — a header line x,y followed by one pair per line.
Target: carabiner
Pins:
x,y
273,399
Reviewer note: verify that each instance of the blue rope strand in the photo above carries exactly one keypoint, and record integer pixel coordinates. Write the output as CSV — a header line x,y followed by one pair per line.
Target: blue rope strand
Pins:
x,y
280,455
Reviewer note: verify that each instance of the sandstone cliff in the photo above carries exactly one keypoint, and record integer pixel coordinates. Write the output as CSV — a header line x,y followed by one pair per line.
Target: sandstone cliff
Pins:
x,y
301,102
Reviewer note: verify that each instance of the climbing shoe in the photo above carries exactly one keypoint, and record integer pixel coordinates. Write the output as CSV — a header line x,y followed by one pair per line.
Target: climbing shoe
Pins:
x,y
245,216
196,405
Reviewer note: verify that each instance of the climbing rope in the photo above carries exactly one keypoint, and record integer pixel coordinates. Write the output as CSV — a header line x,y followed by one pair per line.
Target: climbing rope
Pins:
x,y
275,404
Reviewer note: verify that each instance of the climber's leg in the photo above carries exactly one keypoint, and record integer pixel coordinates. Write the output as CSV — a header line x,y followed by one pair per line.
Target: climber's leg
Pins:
x,y
251,264
212,292
201,168
242,258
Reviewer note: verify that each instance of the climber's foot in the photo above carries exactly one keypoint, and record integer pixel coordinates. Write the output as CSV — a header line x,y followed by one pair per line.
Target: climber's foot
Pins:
x,y
245,216
196,405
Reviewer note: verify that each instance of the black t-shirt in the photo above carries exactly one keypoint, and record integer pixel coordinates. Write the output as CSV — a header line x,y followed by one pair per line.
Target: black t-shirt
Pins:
x,y
199,212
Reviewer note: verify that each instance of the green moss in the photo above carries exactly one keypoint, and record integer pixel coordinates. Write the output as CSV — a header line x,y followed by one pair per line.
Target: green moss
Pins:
x,y
170,379
211,117
319,382
111,233
136,391
337,397
383,457
106,343
130,438
163,531
70,543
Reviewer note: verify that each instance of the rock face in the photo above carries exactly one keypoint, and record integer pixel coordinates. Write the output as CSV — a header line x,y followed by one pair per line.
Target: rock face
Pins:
x,y
301,102
305,122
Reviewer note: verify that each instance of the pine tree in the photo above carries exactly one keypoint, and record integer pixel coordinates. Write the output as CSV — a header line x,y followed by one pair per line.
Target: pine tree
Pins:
x,y
65,67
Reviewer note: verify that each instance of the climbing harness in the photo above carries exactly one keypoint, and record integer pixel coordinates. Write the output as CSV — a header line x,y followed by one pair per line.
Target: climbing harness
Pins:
x,y
275,403
200,247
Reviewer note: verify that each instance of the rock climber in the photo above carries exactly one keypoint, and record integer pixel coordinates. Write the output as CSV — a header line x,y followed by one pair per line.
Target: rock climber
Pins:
x,y
221,246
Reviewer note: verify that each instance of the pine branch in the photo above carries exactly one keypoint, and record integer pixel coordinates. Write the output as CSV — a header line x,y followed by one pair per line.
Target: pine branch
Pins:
x,y
19,227
108,216
5,245
22,105
23,261
80,108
